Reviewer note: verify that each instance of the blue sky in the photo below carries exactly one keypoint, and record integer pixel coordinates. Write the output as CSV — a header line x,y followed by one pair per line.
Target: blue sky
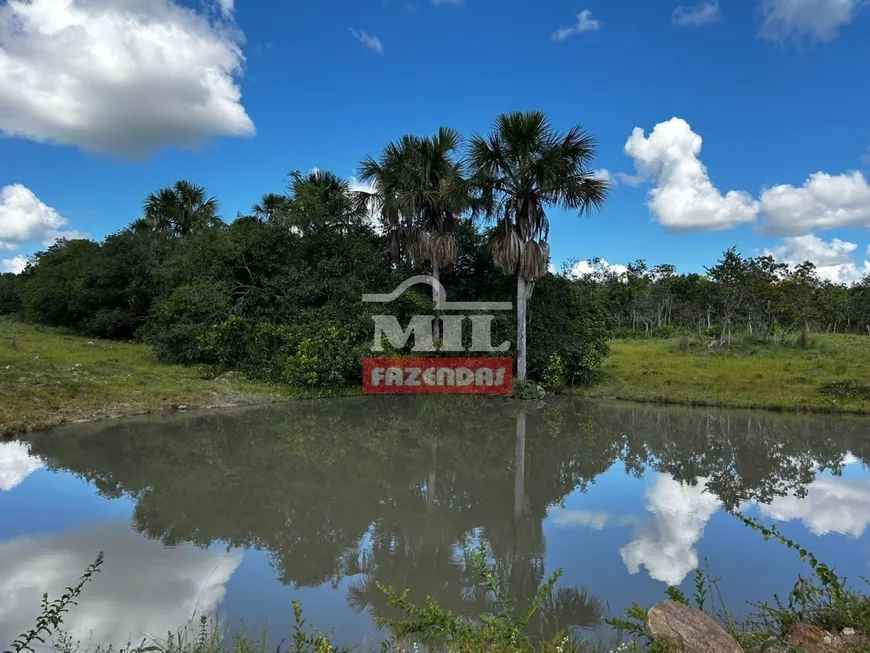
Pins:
x,y
711,117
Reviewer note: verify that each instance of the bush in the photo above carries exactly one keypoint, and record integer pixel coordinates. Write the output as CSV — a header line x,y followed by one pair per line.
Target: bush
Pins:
x,y
567,321
664,331
325,358
180,329
9,300
553,376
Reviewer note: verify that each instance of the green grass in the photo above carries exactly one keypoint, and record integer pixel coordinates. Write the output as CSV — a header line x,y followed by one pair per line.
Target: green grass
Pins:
x,y
832,375
48,378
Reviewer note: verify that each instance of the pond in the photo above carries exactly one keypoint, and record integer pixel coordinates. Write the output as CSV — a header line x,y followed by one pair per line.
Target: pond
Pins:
x,y
238,513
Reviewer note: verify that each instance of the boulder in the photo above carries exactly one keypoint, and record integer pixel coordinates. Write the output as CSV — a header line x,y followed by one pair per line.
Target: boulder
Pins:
x,y
688,630
813,639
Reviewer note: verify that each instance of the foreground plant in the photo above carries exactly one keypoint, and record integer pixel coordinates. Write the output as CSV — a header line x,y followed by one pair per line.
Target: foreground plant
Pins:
x,y
503,630
51,617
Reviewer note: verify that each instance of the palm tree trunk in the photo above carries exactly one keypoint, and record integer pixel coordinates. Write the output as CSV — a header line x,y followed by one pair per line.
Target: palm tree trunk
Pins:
x,y
430,486
520,468
522,297
436,327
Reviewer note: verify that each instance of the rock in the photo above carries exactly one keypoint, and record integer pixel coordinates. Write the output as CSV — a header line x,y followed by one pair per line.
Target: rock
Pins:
x,y
688,630
848,632
541,392
813,639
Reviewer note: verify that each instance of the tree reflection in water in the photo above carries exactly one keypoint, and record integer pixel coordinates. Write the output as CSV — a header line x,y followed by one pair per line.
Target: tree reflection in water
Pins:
x,y
388,489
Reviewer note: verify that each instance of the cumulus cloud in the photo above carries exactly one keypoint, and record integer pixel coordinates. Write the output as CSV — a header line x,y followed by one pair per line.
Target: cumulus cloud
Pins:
x,y
684,198
145,589
585,23
26,219
371,42
832,505
817,20
16,264
833,259
702,13
666,547
681,512
596,266
16,464
823,202
122,77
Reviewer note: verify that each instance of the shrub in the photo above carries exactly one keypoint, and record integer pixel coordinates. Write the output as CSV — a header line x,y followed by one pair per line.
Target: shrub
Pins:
x,y
325,358
553,375
664,331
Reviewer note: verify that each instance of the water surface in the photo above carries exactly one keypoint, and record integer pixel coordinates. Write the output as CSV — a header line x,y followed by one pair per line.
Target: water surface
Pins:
x,y
238,513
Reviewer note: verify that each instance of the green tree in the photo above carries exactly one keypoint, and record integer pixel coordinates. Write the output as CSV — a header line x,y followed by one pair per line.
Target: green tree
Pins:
x,y
320,200
10,302
180,209
524,166
730,274
271,207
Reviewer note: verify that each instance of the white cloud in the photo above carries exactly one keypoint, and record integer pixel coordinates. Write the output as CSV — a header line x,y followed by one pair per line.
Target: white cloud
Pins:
x,y
16,464
832,505
595,266
144,588
26,219
823,202
585,23
833,259
666,547
226,7
628,180
684,198
374,214
603,174
818,20
594,520
704,12
122,77
15,264
371,42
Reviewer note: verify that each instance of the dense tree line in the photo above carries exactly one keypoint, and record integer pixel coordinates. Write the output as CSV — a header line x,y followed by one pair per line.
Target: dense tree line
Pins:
x,y
277,293
761,297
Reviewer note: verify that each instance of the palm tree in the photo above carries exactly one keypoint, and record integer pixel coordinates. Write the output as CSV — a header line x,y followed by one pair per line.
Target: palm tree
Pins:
x,y
321,199
271,207
524,166
180,209
421,192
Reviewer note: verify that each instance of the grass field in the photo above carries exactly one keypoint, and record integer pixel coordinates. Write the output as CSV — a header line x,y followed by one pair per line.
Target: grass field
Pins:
x,y
831,375
48,378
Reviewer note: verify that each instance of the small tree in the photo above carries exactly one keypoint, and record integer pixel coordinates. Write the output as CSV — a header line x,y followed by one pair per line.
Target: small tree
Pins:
x,y
729,275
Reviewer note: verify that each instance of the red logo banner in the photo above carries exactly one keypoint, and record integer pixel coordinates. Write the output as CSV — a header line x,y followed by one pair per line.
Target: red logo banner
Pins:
x,y
452,375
